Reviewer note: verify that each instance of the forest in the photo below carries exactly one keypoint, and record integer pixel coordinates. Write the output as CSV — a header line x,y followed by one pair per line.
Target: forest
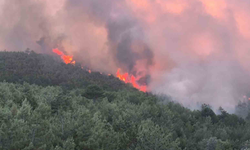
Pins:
x,y
46,104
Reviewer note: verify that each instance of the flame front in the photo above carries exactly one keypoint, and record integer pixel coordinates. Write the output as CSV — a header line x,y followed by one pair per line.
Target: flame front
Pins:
x,y
126,77
66,58
130,79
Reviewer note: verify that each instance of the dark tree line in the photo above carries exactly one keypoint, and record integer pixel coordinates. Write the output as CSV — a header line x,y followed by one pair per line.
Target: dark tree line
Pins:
x,y
44,70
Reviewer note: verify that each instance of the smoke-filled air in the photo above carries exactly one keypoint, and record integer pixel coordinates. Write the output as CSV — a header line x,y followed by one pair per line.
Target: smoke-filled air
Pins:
x,y
195,51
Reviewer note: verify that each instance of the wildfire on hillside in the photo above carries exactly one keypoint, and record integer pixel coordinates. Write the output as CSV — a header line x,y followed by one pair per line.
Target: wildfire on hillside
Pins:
x,y
194,51
126,77
66,58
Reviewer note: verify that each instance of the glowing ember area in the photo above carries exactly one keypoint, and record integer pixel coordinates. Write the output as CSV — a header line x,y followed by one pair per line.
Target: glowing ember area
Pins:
x,y
130,79
66,58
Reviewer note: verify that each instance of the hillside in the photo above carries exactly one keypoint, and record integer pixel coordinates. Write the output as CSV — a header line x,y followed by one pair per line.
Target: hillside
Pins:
x,y
46,104
44,70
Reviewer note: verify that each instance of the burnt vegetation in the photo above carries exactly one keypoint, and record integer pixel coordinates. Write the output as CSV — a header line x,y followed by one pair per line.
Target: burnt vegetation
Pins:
x,y
46,104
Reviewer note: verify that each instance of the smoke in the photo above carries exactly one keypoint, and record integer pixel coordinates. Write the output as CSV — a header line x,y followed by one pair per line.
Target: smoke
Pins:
x,y
196,51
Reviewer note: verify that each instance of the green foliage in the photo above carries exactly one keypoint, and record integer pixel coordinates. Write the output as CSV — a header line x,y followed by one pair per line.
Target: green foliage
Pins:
x,y
93,92
152,136
53,106
207,111
69,120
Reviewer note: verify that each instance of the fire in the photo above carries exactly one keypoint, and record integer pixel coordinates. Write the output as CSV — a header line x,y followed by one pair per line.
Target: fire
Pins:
x,y
130,79
66,58
123,77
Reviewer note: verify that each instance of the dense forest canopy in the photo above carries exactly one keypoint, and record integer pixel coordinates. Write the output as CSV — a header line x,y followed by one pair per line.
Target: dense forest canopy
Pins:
x,y
46,104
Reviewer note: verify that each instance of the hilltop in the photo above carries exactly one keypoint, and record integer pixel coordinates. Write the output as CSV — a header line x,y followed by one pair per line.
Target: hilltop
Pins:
x,y
44,70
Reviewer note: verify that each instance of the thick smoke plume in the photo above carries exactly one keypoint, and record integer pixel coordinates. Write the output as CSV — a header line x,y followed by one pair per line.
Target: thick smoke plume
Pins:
x,y
196,51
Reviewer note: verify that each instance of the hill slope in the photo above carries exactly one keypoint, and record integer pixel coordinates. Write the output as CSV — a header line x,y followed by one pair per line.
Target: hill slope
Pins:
x,y
40,69
45,104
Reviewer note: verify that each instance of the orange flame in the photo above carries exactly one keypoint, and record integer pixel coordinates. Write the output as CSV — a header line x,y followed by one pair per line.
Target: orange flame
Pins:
x,y
130,79
123,77
66,58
